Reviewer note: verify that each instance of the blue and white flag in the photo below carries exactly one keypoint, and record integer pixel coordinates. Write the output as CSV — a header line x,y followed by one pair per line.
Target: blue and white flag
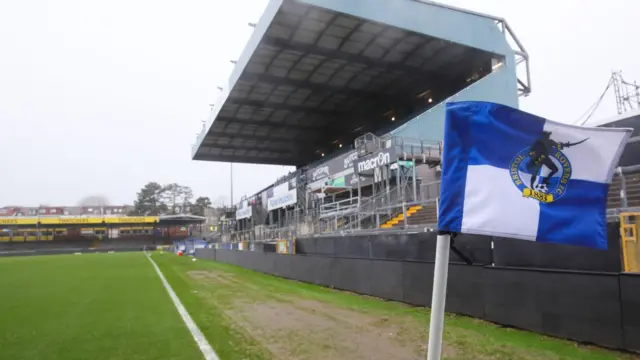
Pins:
x,y
512,174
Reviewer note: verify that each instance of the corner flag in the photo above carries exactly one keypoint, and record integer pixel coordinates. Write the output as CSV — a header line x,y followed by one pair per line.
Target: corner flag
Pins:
x,y
512,174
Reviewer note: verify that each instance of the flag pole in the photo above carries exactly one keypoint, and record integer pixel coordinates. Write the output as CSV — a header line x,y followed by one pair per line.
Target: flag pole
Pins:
x,y
439,296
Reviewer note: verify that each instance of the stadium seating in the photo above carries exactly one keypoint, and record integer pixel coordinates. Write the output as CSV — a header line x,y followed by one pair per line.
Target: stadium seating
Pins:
x,y
44,245
122,243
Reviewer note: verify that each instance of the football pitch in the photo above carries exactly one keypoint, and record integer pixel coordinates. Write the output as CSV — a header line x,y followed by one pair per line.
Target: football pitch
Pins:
x,y
90,306
114,306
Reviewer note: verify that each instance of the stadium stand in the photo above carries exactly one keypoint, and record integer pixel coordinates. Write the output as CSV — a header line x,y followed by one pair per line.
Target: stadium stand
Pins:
x,y
354,98
19,233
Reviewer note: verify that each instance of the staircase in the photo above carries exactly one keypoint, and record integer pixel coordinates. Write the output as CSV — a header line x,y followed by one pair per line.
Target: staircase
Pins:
x,y
428,215
400,217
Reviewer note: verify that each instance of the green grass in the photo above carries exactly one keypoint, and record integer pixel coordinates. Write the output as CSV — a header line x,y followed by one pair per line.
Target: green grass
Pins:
x,y
228,341
90,306
472,338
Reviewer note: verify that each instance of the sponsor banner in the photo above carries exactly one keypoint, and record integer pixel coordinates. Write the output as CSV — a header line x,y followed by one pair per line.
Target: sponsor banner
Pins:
x,y
79,220
349,159
319,173
131,219
403,164
279,201
18,221
331,171
244,210
333,167
282,196
71,221
376,160
352,180
337,182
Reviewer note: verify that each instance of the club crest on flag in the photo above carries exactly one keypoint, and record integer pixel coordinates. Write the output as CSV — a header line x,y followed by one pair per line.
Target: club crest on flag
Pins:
x,y
542,171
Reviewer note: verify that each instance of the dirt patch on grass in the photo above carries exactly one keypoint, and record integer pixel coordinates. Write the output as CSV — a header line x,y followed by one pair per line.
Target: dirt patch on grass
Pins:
x,y
306,329
211,276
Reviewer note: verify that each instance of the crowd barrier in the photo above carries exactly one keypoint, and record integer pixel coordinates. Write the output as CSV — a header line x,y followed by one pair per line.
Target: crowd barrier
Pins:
x,y
483,250
258,246
591,307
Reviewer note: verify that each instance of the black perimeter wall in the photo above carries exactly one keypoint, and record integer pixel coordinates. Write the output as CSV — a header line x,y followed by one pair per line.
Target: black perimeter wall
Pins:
x,y
600,307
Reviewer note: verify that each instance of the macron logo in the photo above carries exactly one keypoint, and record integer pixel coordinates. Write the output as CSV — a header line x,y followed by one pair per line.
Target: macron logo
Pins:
x,y
380,160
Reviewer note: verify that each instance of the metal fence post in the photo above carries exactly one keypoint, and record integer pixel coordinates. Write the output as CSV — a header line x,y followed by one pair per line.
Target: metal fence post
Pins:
x,y
623,189
404,214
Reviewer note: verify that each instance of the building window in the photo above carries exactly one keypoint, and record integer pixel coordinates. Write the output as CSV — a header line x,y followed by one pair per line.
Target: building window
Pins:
x,y
42,211
53,211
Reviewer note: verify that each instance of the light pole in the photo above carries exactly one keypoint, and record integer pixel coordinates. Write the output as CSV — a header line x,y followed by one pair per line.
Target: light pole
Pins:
x,y
231,177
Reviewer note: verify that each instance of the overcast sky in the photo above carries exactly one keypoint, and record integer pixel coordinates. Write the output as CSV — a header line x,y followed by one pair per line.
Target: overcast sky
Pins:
x,y
101,97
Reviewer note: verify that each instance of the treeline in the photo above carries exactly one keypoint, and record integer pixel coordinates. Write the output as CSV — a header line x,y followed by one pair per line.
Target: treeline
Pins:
x,y
155,199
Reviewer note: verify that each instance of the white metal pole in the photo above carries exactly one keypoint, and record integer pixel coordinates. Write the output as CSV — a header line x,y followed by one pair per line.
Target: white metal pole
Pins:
x,y
231,181
439,296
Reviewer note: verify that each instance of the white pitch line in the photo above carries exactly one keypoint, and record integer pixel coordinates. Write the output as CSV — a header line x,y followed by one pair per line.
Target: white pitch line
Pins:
x,y
203,344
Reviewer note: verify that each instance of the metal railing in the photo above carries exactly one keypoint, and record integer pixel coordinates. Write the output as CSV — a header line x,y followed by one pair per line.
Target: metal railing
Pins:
x,y
624,197
346,216
408,148
624,193
373,204
263,234
339,207
429,191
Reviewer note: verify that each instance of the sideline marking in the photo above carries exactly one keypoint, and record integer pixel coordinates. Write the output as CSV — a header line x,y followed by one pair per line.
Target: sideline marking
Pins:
x,y
203,344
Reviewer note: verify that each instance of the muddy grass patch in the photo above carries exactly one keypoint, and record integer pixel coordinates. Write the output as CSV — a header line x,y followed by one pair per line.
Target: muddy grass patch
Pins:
x,y
308,329
211,276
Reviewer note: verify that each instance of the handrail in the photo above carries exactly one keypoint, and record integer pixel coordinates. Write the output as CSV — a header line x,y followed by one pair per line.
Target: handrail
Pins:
x,y
351,203
382,195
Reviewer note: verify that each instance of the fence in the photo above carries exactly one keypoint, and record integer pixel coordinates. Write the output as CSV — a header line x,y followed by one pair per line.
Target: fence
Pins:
x,y
264,233
482,250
